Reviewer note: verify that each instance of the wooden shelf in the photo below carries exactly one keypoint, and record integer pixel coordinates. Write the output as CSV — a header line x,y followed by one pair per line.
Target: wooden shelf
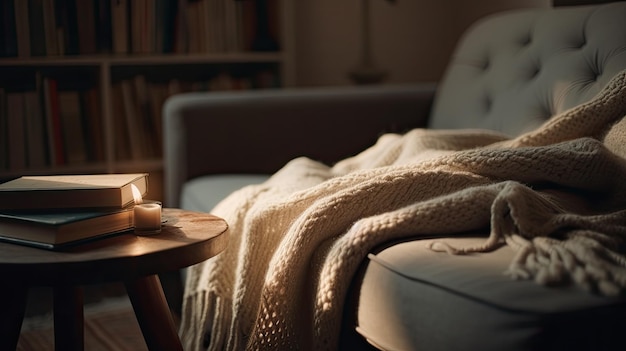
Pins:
x,y
101,76
147,59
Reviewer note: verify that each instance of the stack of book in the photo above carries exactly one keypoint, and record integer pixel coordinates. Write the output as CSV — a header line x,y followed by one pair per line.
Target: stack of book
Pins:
x,y
54,212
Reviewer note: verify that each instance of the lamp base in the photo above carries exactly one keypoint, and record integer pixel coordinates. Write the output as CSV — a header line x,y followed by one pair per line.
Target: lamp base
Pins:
x,y
367,75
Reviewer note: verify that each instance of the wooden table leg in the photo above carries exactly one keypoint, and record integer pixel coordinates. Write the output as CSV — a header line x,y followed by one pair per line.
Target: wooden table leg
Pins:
x,y
68,318
153,314
12,315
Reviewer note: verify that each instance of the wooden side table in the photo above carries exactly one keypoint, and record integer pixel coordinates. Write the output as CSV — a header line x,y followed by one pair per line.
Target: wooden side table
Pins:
x,y
186,238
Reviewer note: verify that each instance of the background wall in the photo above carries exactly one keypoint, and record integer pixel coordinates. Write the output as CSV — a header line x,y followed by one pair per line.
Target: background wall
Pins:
x,y
411,39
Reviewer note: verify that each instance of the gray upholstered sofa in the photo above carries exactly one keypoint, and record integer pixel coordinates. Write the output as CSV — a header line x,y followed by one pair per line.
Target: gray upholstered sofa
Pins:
x,y
510,73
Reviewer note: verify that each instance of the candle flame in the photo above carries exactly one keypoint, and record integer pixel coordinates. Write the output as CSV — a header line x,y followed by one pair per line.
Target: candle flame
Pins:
x,y
136,194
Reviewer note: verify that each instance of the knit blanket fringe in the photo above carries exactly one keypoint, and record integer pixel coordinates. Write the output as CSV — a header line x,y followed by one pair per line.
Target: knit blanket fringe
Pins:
x,y
556,195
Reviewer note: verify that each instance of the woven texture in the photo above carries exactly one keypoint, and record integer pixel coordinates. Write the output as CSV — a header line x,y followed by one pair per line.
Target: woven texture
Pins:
x,y
556,195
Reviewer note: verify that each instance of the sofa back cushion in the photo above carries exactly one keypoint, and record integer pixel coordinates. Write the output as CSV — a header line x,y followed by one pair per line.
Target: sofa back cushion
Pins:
x,y
513,70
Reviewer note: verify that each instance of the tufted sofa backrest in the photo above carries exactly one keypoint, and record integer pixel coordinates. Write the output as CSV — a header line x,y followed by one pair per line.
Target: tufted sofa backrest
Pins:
x,y
512,71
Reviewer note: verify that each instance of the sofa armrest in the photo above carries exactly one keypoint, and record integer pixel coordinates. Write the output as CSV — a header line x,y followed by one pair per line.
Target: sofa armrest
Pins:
x,y
259,131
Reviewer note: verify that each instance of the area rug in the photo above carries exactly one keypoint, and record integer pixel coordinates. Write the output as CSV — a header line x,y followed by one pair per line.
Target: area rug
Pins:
x,y
109,326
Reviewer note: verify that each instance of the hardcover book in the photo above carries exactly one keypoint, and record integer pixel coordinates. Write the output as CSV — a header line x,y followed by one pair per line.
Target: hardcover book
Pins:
x,y
72,191
54,230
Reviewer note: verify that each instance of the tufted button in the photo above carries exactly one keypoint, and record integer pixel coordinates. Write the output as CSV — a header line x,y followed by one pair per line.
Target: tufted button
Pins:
x,y
597,71
595,66
549,111
596,76
534,72
531,68
487,103
485,64
581,41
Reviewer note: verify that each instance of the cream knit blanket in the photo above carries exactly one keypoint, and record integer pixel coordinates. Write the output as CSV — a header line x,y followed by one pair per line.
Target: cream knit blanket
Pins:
x,y
557,195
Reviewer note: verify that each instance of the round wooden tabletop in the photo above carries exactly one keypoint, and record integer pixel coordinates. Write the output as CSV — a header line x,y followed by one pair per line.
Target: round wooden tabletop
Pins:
x,y
186,238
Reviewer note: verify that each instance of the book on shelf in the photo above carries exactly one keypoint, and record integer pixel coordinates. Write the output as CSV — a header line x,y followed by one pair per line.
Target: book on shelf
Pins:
x,y
67,26
37,33
4,130
121,135
59,229
93,116
34,131
104,29
56,152
73,130
119,26
16,116
84,27
72,191
134,127
86,24
22,28
143,108
8,39
50,28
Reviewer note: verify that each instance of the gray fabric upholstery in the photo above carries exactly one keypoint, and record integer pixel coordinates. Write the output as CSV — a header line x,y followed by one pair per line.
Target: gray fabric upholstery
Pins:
x,y
203,193
260,131
510,72
413,298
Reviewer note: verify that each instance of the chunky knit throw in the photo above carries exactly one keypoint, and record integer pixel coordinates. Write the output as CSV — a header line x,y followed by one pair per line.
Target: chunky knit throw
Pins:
x,y
557,195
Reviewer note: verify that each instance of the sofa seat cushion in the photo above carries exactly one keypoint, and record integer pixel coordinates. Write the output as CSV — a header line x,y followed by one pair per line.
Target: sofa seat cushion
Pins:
x,y
203,193
414,298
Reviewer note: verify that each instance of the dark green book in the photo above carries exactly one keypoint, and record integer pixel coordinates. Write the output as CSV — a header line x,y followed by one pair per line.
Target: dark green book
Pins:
x,y
54,230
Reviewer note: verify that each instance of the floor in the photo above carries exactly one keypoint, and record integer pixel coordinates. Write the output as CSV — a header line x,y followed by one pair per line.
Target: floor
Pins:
x,y
109,325
103,298
40,298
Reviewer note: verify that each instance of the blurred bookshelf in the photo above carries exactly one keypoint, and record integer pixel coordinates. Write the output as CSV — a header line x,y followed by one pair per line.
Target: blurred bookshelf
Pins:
x,y
82,82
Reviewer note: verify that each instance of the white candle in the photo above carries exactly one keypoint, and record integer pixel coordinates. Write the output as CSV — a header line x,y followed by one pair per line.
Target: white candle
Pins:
x,y
147,218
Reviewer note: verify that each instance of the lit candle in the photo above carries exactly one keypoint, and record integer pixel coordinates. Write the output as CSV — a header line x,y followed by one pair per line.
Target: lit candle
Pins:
x,y
147,218
147,215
